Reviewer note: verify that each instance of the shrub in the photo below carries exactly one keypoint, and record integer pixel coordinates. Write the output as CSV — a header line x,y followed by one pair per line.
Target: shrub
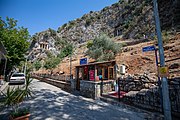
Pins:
x,y
89,43
88,22
103,48
51,63
37,65
66,51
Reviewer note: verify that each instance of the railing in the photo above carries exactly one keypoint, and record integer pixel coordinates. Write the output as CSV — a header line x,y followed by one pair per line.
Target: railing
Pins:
x,y
61,81
150,97
64,78
147,94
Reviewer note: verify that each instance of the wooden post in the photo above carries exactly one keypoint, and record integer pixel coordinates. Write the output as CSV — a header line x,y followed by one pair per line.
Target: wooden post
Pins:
x,y
95,72
77,79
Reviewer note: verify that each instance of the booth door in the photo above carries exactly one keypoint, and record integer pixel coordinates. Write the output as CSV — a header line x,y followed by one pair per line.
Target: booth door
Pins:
x,y
77,79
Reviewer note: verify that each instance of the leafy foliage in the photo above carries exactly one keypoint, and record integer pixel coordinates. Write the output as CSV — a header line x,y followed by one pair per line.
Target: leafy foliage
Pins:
x,y
51,63
14,96
65,47
89,43
52,32
15,40
37,65
66,51
103,48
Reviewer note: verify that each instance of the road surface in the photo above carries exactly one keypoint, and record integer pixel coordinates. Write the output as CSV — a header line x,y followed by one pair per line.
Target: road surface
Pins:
x,y
52,103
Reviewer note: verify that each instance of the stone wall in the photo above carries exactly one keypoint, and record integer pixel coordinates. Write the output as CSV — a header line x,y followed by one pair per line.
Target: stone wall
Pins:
x,y
93,89
151,98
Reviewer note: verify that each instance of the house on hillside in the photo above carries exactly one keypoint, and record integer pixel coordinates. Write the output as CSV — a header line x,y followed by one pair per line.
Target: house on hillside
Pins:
x,y
3,60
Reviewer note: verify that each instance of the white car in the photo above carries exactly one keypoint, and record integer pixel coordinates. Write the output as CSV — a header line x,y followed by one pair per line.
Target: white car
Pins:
x,y
18,78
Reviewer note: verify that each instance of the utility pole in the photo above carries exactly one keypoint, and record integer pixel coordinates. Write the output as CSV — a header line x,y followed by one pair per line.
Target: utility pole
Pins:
x,y
25,66
165,90
70,66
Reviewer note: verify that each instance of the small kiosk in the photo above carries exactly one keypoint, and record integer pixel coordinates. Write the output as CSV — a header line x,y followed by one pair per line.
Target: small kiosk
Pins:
x,y
93,79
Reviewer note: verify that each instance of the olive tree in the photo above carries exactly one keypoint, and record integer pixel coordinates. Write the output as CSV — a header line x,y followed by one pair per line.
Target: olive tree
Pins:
x,y
103,48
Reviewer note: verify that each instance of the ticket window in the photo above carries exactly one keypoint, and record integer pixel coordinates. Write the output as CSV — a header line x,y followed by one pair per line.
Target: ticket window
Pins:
x,y
99,73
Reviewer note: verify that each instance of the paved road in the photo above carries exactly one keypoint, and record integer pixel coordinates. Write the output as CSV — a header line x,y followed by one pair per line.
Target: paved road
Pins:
x,y
52,103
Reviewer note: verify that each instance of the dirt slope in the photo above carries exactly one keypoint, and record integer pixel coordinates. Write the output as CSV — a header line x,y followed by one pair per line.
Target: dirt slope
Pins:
x,y
137,62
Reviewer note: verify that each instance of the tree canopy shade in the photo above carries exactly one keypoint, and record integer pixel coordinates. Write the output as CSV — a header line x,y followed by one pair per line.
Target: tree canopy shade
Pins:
x,y
103,48
15,40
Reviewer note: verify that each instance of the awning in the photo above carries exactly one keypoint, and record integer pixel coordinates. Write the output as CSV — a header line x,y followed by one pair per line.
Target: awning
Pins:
x,y
113,62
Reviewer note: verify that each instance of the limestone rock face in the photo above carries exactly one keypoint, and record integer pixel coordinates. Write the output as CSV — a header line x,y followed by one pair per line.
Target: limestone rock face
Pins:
x,y
43,43
127,19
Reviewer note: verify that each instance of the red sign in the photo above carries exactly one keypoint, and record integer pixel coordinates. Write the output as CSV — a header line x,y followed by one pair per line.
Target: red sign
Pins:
x,y
85,70
91,74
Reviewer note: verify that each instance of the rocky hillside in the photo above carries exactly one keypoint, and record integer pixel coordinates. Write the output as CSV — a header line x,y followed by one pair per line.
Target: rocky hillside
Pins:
x,y
169,14
42,44
129,20
136,61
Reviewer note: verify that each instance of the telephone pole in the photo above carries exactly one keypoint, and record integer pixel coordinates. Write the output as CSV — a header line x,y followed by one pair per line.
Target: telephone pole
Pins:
x,y
165,89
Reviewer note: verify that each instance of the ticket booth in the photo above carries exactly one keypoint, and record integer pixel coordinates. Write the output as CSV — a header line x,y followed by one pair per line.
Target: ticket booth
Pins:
x,y
89,77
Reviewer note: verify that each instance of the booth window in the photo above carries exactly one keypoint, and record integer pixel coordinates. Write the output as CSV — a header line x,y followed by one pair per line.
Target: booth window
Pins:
x,y
86,73
106,73
110,73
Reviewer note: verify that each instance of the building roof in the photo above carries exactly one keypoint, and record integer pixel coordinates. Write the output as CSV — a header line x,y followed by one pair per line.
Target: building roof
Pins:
x,y
98,63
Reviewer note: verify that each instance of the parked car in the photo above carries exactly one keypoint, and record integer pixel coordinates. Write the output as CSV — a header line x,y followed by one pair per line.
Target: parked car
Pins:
x,y
17,78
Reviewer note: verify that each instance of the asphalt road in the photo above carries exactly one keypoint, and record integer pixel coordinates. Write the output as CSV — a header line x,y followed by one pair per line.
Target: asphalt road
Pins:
x,y
52,103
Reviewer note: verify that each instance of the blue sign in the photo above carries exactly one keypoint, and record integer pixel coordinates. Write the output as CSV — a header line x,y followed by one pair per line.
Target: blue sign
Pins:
x,y
148,48
83,61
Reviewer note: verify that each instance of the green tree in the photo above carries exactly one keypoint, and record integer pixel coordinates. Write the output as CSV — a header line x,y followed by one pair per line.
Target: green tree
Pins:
x,y
51,63
66,51
15,40
103,48
37,65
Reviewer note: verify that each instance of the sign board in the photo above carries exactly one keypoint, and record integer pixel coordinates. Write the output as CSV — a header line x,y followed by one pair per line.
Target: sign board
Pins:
x,y
163,72
83,61
148,48
91,75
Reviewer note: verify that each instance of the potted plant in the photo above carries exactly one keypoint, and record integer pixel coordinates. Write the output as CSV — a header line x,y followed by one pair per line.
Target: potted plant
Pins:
x,y
15,96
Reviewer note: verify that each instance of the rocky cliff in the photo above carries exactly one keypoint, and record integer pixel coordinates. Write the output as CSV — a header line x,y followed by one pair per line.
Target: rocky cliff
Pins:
x,y
126,19
129,19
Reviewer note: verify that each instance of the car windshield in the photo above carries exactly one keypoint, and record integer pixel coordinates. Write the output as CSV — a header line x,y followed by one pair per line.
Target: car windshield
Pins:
x,y
18,75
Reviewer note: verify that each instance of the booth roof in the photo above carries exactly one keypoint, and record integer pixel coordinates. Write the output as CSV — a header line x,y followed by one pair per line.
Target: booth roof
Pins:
x,y
97,63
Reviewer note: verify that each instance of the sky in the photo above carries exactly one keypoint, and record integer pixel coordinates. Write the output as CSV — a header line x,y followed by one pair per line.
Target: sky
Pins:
x,y
39,15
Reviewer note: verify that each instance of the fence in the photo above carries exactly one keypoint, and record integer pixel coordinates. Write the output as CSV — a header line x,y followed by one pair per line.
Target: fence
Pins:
x,y
149,96
146,94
